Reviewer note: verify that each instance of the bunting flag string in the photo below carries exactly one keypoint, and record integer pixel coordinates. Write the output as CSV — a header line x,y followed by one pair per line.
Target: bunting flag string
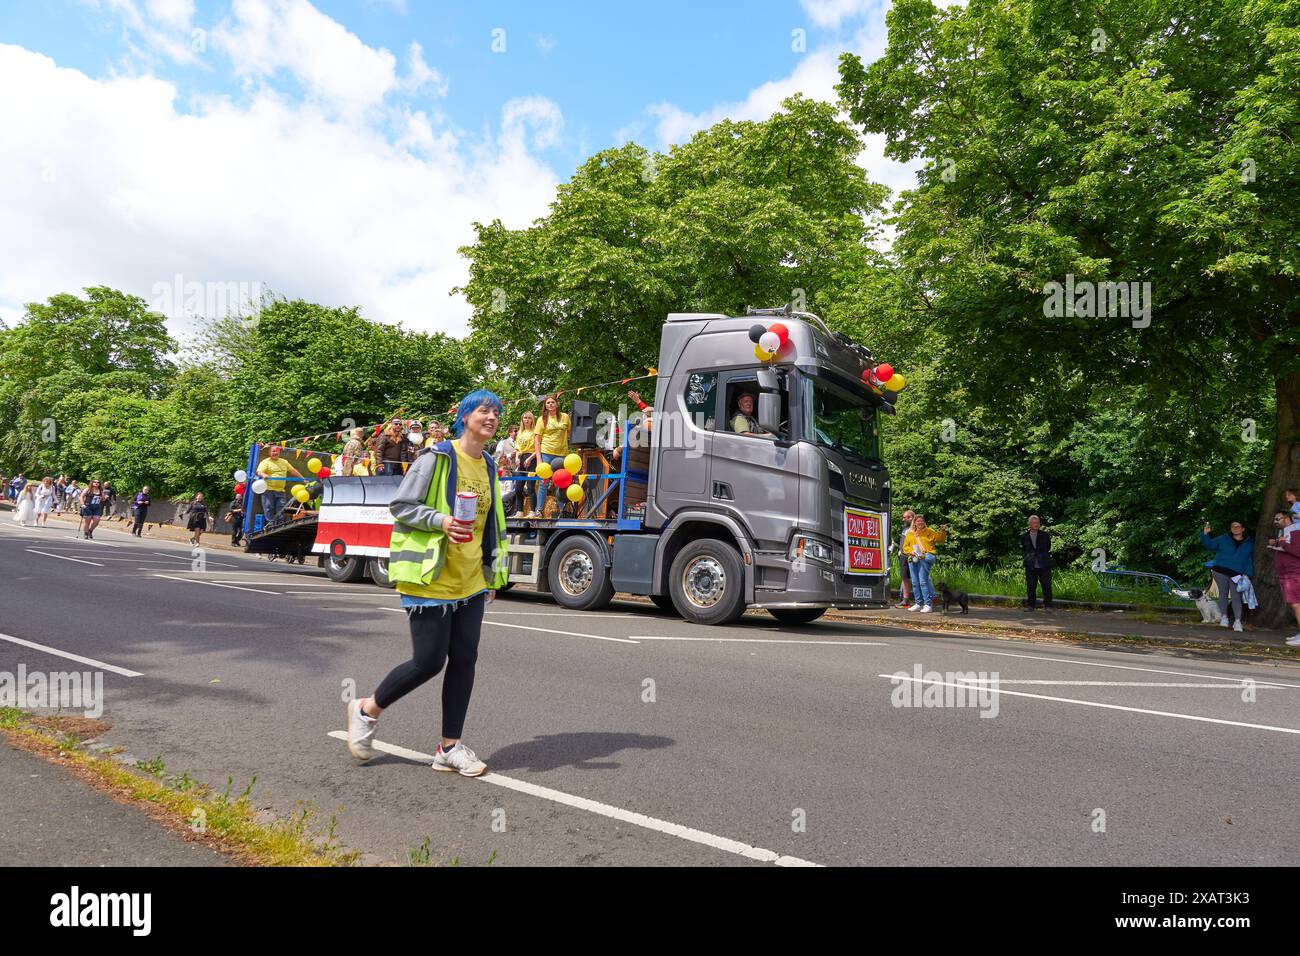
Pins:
x,y
374,427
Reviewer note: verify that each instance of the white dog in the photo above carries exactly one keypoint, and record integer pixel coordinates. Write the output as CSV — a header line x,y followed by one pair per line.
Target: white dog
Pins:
x,y
1208,608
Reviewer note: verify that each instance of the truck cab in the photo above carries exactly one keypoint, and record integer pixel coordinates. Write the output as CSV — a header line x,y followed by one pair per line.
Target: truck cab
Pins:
x,y
792,516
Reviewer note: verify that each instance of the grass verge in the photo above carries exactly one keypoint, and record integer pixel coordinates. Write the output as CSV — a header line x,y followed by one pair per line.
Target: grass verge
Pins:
x,y
192,810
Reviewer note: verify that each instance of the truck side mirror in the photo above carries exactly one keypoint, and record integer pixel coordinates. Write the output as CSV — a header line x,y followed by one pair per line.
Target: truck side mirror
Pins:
x,y
767,380
769,412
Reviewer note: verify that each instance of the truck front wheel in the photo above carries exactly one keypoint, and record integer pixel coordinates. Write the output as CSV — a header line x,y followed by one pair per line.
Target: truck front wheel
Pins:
x,y
578,577
707,582
379,572
345,570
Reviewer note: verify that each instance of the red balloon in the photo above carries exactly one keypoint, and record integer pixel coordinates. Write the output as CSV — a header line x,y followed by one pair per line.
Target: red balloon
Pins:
x,y
323,473
884,371
780,329
562,478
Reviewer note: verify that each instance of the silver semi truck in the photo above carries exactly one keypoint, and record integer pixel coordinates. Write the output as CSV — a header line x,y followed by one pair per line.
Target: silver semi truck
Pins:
x,y
785,508
791,515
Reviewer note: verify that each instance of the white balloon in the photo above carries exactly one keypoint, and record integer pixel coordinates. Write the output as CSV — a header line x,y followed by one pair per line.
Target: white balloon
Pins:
x,y
241,475
770,342
259,486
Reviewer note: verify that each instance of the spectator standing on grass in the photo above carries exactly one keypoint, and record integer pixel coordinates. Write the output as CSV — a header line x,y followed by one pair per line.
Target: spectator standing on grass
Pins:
x,y
1231,556
904,579
141,509
1036,544
919,547
1286,562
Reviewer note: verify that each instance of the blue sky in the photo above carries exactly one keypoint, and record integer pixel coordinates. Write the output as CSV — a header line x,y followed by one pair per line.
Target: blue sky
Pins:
x,y
338,150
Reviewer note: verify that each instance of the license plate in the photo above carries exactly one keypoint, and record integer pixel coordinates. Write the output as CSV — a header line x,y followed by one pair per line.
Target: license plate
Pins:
x,y
866,593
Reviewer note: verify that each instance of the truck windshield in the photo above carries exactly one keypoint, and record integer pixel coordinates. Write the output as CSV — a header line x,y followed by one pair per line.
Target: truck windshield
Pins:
x,y
841,420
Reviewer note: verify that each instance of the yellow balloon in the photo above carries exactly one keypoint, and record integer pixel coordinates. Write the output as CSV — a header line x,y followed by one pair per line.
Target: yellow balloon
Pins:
x,y
896,383
297,488
544,471
302,495
763,355
573,463
574,492
314,465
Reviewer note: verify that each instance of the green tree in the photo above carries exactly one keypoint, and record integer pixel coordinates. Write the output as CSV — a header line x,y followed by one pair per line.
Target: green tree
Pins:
x,y
1149,142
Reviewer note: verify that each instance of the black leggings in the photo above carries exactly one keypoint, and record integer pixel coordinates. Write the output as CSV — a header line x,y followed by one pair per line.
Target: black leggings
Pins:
x,y
440,634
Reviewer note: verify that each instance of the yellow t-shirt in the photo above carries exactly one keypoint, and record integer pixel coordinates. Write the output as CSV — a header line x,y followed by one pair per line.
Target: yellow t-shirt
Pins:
x,y
555,436
524,442
274,470
462,572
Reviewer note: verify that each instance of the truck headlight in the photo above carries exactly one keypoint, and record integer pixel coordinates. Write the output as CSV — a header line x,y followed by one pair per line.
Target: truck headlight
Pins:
x,y
810,549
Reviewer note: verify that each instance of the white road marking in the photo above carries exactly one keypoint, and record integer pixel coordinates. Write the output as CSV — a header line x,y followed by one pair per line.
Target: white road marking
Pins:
x,y
544,630
214,584
62,558
1123,667
606,810
1245,681
536,614
760,640
72,657
1093,703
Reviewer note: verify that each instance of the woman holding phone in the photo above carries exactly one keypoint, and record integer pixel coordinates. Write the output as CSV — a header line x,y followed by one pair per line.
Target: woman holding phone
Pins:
x,y
447,557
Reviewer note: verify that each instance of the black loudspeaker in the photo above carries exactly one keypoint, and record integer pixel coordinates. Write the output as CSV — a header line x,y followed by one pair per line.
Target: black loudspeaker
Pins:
x,y
584,417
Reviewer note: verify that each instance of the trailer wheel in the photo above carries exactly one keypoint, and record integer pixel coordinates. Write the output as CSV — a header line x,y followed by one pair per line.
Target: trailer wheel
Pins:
x,y
707,582
379,572
578,577
796,615
345,570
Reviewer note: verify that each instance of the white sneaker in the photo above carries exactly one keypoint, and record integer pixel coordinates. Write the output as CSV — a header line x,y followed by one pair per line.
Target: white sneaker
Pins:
x,y
460,759
1223,622
361,731
1294,641
926,609
1236,625
915,607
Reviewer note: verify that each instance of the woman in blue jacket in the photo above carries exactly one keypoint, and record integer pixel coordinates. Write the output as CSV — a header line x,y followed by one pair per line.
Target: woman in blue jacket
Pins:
x,y
1233,555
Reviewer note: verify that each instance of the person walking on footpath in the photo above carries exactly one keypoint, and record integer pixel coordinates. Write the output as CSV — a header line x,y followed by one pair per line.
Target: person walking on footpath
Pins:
x,y
1036,544
141,508
447,557
904,578
92,509
197,522
1286,562
1232,556
918,546
44,497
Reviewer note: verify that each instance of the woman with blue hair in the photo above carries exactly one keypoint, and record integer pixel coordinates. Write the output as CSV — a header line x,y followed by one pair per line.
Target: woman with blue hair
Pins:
x,y
447,557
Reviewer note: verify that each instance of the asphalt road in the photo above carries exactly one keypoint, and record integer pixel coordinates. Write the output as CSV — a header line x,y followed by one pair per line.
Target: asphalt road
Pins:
x,y
630,737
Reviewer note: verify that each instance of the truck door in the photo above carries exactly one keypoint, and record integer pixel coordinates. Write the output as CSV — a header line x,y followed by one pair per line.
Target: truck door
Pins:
x,y
755,475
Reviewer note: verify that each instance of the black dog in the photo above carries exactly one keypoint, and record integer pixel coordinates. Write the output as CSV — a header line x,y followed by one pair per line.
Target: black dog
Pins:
x,y
950,596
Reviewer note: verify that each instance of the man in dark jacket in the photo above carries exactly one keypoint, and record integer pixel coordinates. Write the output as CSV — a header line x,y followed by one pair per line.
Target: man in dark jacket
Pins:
x,y
1037,547
393,450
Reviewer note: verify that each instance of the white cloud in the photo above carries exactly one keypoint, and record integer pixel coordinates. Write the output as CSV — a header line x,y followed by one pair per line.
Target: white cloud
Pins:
x,y
831,13
103,181
165,26
329,62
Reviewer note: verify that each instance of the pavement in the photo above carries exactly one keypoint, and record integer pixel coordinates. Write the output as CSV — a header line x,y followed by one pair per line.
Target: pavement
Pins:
x,y
629,737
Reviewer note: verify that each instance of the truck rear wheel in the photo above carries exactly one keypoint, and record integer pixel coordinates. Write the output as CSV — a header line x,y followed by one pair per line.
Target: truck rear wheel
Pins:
x,y
578,577
796,615
345,570
379,572
707,582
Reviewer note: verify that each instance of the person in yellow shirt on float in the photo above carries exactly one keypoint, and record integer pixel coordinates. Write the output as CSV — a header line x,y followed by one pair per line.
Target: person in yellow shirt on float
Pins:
x,y
918,550
275,469
550,445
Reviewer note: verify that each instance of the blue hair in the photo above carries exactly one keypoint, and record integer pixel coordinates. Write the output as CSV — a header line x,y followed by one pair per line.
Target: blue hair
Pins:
x,y
475,399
